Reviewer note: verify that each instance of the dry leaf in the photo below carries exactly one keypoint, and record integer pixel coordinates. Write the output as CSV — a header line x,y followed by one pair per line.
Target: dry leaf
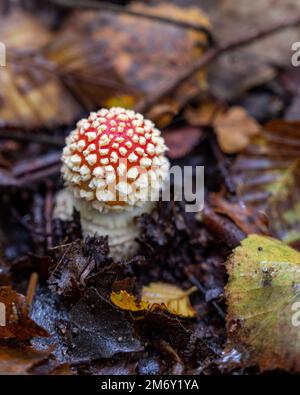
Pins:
x,y
181,141
234,129
263,299
19,360
283,207
31,94
17,322
204,113
86,54
258,170
161,296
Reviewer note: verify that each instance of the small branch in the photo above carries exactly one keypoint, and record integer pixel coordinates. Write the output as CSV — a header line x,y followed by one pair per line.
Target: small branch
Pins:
x,y
26,136
211,55
31,289
202,289
125,10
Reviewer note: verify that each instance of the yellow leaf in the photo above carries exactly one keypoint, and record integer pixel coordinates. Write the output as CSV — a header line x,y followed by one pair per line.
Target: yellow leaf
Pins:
x,y
157,296
174,299
126,301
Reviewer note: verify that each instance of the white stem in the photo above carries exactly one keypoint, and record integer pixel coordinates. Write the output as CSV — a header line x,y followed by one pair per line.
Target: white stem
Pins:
x,y
119,226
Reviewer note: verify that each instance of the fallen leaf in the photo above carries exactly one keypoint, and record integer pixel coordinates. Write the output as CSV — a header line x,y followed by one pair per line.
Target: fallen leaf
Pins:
x,y
160,296
98,330
31,93
18,324
204,113
85,53
243,216
16,359
258,170
262,298
181,141
283,207
76,263
234,129
126,301
255,64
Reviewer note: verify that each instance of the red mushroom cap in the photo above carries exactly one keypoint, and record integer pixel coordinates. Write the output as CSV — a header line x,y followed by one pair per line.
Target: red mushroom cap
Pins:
x,y
115,158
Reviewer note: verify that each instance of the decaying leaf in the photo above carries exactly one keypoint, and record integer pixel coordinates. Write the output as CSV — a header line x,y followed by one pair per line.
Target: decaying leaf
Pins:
x,y
260,167
98,330
181,141
204,113
251,66
234,129
19,360
21,30
31,94
283,207
160,296
86,54
18,324
76,264
243,216
263,298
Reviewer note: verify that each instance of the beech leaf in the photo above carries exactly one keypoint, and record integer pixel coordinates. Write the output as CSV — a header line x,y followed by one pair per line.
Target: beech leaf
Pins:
x,y
160,296
234,129
263,299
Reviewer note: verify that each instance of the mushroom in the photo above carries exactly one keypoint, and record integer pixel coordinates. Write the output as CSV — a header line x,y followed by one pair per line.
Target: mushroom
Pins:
x,y
114,167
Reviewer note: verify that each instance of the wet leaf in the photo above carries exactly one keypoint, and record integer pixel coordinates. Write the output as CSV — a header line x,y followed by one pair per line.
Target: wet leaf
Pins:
x,y
181,141
263,297
18,324
16,359
258,63
98,330
160,296
234,129
243,216
258,170
76,263
31,94
283,207
86,54
204,113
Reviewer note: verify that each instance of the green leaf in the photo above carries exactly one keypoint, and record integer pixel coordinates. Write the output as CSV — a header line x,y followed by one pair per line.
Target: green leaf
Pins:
x,y
263,303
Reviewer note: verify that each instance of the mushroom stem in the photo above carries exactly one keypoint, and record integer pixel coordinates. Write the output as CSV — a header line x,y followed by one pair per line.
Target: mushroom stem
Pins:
x,y
120,227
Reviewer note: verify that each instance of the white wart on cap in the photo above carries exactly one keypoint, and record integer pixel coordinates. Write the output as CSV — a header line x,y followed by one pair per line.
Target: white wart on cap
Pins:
x,y
115,160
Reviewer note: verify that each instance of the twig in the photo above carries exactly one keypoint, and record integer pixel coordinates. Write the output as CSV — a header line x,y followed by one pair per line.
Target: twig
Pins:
x,y
221,163
31,288
202,289
26,136
48,210
128,11
211,55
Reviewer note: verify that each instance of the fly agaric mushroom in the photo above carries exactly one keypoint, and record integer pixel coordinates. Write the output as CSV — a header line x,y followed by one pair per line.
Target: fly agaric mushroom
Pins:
x,y
114,166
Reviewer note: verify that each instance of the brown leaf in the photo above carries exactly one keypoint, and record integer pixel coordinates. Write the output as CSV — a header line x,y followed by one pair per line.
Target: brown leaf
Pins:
x,y
86,54
18,324
31,94
260,167
234,129
256,64
204,113
19,359
283,207
244,217
181,141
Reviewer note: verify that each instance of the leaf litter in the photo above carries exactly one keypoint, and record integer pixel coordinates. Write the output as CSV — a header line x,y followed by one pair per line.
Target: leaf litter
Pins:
x,y
73,325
